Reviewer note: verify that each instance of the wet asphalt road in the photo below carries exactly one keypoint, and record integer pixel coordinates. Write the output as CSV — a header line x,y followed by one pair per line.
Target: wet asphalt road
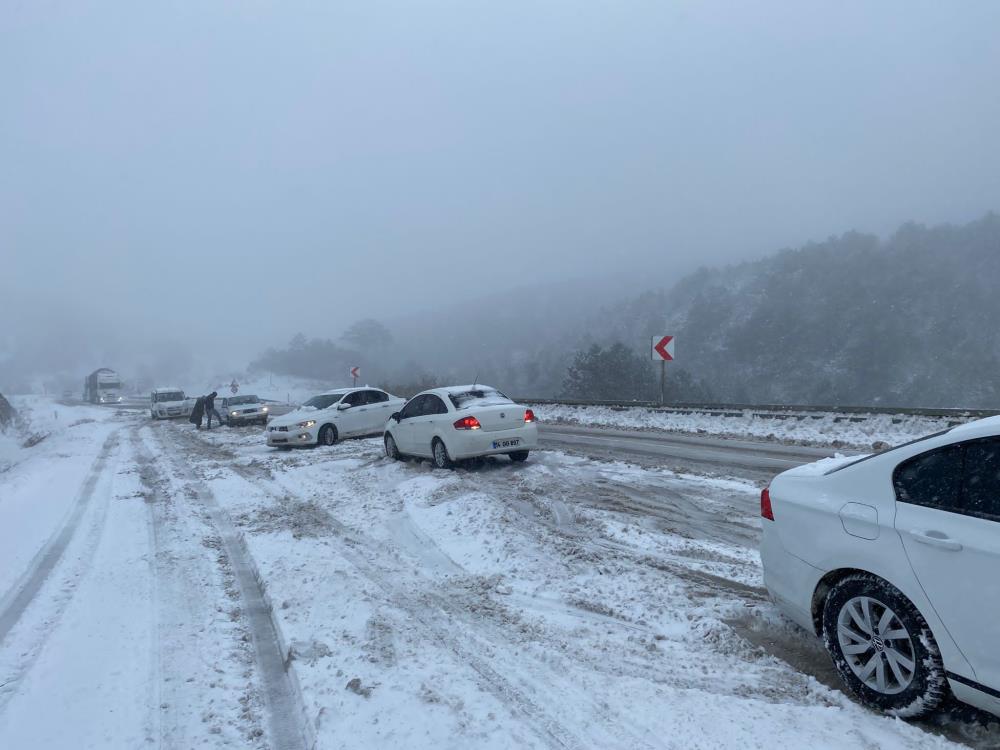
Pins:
x,y
755,459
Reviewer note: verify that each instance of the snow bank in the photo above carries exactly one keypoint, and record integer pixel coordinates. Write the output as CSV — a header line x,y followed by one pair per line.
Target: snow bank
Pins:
x,y
10,449
810,428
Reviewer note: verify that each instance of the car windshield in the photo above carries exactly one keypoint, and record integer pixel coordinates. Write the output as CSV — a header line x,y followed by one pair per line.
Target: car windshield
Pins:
x,y
477,397
235,400
323,401
170,396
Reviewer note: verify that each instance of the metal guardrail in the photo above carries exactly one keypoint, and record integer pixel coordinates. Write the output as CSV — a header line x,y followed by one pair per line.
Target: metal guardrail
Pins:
x,y
787,410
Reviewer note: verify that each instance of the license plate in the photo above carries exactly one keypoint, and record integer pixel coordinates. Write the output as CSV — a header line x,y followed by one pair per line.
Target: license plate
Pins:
x,y
511,443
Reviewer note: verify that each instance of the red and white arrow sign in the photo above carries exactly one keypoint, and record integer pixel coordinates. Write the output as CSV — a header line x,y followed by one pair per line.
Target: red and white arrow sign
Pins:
x,y
355,372
663,348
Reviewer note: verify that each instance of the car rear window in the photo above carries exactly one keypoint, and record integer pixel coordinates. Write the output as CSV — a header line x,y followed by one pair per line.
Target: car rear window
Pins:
x,y
478,397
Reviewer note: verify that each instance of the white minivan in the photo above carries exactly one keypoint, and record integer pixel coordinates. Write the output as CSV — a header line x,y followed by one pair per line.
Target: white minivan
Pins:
x,y
169,403
894,560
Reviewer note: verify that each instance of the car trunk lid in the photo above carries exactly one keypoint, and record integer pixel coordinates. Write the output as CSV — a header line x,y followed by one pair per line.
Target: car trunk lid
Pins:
x,y
497,418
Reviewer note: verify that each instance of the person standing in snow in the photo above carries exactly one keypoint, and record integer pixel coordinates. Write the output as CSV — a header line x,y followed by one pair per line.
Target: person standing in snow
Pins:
x,y
210,409
197,412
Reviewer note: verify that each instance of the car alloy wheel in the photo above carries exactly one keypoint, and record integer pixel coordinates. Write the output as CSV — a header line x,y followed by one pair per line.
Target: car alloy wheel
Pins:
x,y
328,435
876,645
882,647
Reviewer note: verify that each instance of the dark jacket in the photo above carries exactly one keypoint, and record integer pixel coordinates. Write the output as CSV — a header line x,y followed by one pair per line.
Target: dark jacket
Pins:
x,y
198,412
210,401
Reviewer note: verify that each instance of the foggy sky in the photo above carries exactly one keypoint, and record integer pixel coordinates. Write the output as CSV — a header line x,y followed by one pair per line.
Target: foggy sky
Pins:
x,y
217,176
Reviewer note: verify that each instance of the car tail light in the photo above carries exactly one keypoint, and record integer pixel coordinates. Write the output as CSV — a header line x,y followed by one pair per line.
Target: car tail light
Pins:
x,y
467,423
765,504
529,415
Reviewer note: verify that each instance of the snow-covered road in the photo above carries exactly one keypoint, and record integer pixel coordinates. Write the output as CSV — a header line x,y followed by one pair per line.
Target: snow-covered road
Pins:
x,y
169,587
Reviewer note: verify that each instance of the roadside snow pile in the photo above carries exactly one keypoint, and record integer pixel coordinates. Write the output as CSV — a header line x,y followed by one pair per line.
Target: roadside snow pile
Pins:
x,y
35,419
11,437
7,413
10,449
861,430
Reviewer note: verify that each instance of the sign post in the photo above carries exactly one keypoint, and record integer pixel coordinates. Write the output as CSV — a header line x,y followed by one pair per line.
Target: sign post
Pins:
x,y
662,349
355,373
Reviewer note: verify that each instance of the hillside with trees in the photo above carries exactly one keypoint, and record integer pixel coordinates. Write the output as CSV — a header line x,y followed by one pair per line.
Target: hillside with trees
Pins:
x,y
910,320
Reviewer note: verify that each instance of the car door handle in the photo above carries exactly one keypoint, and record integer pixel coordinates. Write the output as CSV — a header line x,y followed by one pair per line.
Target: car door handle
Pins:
x,y
935,539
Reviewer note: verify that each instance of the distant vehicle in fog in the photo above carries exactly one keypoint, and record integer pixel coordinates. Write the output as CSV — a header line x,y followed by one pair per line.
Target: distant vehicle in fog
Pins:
x,y
168,403
243,409
103,386
459,422
324,419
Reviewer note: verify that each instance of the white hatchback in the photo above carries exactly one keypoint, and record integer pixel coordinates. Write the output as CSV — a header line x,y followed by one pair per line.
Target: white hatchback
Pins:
x,y
894,559
324,419
459,422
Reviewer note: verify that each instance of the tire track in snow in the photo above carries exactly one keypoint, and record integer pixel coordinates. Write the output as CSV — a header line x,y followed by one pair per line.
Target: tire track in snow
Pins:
x,y
288,727
14,605
45,569
436,621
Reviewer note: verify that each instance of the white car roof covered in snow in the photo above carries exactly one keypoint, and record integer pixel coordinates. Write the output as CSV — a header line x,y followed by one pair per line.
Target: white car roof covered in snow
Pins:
x,y
447,390
168,390
452,390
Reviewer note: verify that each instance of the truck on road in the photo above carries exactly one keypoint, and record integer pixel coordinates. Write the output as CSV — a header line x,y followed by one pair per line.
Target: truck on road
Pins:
x,y
103,386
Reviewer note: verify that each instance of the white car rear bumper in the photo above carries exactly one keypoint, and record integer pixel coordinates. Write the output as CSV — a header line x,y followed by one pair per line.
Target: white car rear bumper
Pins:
x,y
789,580
472,443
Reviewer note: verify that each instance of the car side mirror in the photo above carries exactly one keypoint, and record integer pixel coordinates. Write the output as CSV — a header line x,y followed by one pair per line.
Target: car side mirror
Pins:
x,y
343,406
395,415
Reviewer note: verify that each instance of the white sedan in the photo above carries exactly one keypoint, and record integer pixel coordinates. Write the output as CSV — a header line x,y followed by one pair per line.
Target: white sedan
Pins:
x,y
459,422
330,416
894,559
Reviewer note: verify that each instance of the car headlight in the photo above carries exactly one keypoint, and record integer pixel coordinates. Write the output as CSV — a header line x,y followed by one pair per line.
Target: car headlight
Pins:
x,y
263,408
232,413
307,423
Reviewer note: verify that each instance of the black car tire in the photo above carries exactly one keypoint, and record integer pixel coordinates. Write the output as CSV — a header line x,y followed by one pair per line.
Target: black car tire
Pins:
x,y
327,435
518,456
391,449
439,452
927,686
